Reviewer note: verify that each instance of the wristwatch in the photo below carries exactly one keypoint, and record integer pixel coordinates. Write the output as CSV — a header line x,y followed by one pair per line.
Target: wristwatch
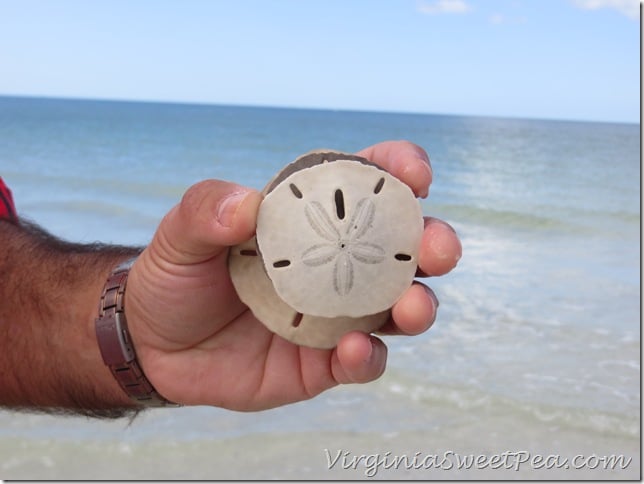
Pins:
x,y
116,345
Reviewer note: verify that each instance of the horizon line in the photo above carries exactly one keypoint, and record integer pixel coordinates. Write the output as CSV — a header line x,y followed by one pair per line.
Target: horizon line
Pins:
x,y
307,108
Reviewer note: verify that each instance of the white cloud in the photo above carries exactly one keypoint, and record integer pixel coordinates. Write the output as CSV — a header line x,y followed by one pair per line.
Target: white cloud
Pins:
x,y
443,6
630,8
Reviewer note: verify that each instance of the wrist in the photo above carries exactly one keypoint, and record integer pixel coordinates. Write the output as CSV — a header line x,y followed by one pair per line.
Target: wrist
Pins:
x,y
116,345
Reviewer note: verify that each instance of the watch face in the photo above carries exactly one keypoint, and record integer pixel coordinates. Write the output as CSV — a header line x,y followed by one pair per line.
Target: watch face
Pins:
x,y
336,245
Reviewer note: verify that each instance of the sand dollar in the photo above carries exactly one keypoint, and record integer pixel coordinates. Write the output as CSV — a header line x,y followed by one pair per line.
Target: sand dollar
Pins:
x,y
337,244
340,239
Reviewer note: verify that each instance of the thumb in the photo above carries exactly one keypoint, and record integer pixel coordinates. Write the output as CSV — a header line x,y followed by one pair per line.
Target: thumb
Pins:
x,y
211,216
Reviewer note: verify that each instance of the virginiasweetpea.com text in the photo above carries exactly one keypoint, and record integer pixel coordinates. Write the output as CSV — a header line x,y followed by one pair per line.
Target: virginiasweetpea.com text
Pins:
x,y
450,460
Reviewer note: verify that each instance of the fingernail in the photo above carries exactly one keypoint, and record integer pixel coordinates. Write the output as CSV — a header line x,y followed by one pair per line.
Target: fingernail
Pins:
x,y
377,350
425,163
431,295
371,348
227,208
434,298
441,222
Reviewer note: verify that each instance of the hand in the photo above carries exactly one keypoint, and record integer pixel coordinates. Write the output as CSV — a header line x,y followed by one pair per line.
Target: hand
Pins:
x,y
200,345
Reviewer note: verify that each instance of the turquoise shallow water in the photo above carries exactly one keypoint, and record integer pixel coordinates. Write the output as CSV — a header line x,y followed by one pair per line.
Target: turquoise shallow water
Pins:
x,y
537,343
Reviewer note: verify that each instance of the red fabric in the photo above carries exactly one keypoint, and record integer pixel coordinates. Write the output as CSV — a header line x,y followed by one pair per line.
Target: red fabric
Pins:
x,y
7,207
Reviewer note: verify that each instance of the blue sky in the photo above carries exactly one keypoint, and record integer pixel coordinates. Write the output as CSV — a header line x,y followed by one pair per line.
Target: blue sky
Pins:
x,y
559,59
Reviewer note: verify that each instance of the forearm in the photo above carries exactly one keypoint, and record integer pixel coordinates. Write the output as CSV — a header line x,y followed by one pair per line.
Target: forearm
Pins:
x,y
49,293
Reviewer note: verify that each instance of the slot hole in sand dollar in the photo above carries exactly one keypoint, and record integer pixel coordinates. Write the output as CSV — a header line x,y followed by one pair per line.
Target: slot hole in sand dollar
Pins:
x,y
297,319
403,257
281,263
339,204
248,252
379,186
296,191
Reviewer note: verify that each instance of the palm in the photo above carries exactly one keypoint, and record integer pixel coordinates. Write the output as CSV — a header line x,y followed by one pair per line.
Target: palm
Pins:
x,y
203,346
272,368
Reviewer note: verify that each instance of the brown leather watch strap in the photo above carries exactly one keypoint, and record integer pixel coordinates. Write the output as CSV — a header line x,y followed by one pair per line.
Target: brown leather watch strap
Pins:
x,y
116,345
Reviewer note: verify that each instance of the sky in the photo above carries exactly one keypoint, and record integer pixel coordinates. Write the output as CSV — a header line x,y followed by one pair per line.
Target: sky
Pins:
x,y
548,59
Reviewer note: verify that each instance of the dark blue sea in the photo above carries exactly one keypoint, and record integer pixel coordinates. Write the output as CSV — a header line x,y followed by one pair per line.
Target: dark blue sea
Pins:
x,y
536,347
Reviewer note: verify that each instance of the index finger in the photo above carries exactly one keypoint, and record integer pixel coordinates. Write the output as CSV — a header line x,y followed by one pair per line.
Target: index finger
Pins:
x,y
405,160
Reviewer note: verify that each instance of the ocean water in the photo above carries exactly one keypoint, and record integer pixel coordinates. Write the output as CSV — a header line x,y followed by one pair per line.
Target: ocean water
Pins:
x,y
536,348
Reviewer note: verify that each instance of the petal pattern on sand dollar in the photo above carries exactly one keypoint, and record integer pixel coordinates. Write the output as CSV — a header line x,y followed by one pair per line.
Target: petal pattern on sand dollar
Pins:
x,y
367,253
362,219
320,221
343,274
341,250
319,254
